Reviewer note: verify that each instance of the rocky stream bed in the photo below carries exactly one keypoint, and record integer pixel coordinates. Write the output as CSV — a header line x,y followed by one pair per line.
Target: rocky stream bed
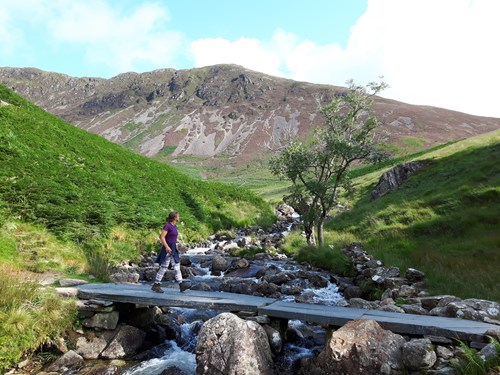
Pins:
x,y
124,339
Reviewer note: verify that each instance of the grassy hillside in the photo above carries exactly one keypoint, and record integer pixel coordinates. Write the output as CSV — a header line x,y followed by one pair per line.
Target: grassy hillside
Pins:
x,y
79,185
445,220
72,203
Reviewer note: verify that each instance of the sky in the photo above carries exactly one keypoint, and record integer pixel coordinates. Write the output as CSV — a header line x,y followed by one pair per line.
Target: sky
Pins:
x,y
442,53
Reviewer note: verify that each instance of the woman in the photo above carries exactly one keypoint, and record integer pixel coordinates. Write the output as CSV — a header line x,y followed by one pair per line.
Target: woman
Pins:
x,y
169,256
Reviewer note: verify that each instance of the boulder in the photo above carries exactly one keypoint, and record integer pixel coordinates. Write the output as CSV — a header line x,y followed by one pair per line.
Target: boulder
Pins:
x,y
406,291
67,362
171,326
125,344
237,286
202,286
91,306
395,177
414,309
360,347
91,347
219,264
391,308
266,289
360,303
239,264
306,297
431,302
489,352
413,275
230,345
103,320
444,352
155,334
318,281
278,279
274,338
100,370
419,354
284,210
353,292
124,276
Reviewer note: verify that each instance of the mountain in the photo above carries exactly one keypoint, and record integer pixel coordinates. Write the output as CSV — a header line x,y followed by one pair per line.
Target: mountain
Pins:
x,y
219,115
81,186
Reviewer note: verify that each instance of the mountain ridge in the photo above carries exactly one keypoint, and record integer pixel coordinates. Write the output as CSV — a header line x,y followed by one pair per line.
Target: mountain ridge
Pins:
x,y
220,114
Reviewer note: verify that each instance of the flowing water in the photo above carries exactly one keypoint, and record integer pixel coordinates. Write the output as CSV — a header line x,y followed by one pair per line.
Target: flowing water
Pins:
x,y
308,341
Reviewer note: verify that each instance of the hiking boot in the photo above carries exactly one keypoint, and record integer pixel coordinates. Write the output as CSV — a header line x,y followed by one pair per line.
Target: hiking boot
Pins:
x,y
156,288
183,285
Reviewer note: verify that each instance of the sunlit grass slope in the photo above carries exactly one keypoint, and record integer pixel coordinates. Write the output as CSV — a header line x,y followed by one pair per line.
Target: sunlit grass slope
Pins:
x,y
72,203
79,186
445,220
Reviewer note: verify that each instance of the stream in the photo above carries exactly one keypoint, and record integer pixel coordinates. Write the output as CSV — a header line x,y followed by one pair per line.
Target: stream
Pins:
x,y
303,339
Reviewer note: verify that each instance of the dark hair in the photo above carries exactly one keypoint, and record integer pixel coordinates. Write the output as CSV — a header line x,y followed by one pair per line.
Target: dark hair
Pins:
x,y
171,216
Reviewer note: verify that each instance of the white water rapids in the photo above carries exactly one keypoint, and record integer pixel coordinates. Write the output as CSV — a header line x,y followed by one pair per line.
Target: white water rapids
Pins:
x,y
182,355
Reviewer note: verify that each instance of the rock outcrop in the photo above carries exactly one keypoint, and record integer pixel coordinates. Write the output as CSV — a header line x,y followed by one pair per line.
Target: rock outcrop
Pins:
x,y
233,346
395,177
360,347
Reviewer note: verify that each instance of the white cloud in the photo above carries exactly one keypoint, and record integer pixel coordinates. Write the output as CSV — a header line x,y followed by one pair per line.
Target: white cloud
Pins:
x,y
120,40
440,53
105,33
249,52
432,52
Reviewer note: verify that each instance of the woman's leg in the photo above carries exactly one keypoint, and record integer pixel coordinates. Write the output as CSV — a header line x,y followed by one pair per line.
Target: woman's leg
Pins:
x,y
163,269
177,269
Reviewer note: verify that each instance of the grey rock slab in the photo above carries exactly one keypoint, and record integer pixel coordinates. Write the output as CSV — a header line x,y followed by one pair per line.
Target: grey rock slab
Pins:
x,y
71,282
462,329
429,325
332,315
142,294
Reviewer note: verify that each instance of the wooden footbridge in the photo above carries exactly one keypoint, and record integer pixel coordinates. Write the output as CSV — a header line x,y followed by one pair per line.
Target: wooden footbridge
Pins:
x,y
408,324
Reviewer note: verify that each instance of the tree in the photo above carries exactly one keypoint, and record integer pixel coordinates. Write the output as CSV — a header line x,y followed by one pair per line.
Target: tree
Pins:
x,y
318,169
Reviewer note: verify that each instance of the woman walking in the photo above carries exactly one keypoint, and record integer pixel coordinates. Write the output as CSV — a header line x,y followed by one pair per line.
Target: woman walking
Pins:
x,y
168,256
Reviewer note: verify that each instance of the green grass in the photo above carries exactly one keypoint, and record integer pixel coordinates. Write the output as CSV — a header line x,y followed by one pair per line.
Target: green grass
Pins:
x,y
74,204
29,316
258,179
443,221
79,186
413,143
329,257
471,362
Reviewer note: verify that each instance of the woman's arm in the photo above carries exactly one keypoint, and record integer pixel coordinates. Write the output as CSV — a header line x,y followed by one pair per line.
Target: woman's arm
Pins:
x,y
163,240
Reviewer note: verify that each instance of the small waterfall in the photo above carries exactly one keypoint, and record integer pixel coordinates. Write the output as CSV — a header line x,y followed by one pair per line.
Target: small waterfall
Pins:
x,y
173,357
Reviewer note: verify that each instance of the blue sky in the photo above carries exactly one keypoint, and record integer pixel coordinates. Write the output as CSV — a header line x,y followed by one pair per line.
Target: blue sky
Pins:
x,y
432,52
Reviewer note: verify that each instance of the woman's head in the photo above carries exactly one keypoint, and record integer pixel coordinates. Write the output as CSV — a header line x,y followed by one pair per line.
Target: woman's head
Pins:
x,y
174,215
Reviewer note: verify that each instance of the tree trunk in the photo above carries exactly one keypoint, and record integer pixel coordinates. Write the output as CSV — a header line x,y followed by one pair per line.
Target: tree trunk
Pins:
x,y
320,232
309,230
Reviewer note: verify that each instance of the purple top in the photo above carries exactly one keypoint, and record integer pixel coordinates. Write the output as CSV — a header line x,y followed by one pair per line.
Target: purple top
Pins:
x,y
172,233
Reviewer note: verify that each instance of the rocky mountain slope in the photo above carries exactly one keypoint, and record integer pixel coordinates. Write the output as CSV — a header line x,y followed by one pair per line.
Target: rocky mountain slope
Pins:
x,y
218,114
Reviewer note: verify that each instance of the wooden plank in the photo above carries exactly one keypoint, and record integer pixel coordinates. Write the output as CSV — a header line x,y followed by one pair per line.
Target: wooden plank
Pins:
x,y
142,294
